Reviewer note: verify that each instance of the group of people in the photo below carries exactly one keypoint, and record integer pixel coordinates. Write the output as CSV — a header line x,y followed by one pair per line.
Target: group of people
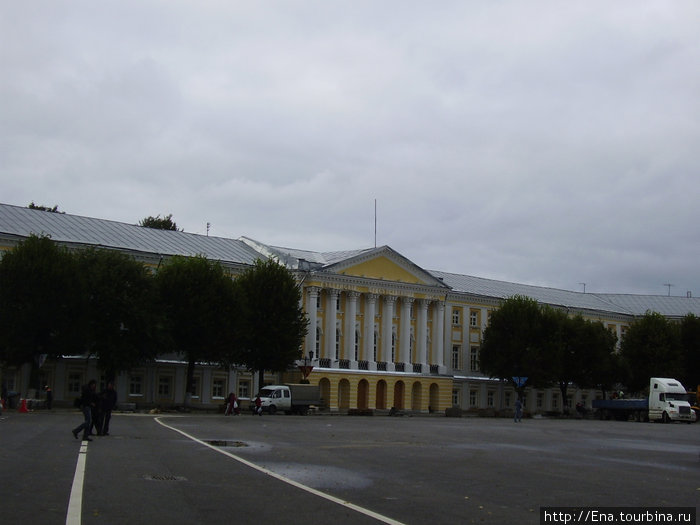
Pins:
x,y
233,406
97,410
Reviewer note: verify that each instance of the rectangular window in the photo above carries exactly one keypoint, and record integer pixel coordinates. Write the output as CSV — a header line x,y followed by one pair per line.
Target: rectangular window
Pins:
x,y
474,359
508,399
337,344
196,386
540,400
490,399
164,386
474,319
473,398
357,345
75,380
455,398
456,350
136,385
555,401
244,389
455,316
218,388
374,348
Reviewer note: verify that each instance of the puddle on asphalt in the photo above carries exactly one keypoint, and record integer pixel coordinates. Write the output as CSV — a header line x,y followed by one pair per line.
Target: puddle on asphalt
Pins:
x,y
320,476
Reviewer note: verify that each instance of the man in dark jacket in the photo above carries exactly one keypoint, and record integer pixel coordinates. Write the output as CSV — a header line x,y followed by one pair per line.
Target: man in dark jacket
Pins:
x,y
109,401
88,400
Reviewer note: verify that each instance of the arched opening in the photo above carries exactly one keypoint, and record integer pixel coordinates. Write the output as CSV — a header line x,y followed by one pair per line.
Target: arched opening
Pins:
x,y
363,395
399,389
344,394
381,394
325,387
434,398
417,396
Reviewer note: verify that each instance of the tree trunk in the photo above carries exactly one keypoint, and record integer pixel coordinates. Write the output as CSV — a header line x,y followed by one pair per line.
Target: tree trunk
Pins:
x,y
261,379
563,386
189,382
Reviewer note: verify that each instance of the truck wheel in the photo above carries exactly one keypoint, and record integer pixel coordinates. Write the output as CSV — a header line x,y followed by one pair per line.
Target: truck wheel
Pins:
x,y
272,410
665,418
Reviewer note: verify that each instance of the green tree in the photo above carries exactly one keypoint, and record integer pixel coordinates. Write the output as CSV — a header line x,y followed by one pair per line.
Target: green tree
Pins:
x,y
199,306
159,223
513,342
40,298
33,206
120,318
577,351
690,347
651,348
273,323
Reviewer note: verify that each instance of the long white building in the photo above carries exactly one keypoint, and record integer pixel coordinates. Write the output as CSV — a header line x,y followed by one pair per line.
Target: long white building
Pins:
x,y
383,332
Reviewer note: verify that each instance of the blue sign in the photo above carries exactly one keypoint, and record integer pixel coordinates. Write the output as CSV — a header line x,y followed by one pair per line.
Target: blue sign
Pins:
x,y
519,381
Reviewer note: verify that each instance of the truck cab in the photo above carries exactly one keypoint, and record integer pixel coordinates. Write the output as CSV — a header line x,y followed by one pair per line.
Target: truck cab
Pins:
x,y
275,397
668,401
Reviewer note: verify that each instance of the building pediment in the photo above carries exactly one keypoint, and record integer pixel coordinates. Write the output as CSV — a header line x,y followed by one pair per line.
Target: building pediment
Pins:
x,y
387,265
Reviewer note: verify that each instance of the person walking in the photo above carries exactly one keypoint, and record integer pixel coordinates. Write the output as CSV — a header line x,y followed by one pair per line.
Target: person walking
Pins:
x,y
109,401
88,400
49,397
518,411
258,406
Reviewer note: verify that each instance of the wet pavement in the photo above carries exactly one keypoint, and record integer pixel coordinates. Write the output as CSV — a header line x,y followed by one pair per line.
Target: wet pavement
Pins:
x,y
343,469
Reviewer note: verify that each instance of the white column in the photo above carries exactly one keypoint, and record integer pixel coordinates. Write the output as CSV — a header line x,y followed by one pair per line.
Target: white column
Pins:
x,y
330,323
439,335
404,353
311,312
387,325
349,335
422,332
370,312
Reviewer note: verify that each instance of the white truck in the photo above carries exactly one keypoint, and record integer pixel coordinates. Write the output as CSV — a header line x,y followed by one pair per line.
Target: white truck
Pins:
x,y
667,401
289,398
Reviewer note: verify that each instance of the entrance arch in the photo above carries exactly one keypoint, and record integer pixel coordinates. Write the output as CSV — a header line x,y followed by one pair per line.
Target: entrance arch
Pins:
x,y
363,395
381,394
434,398
344,394
417,396
399,389
325,387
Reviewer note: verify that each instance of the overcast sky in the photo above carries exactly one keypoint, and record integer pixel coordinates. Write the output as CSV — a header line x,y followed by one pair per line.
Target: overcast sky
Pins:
x,y
549,143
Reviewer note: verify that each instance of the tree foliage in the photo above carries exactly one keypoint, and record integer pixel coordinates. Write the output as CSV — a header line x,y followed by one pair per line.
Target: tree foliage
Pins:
x,y
651,348
120,318
159,223
547,346
198,301
33,206
275,324
690,344
512,342
40,297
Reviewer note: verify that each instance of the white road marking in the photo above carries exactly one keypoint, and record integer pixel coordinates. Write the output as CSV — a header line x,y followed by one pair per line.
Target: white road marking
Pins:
x,y
296,484
75,504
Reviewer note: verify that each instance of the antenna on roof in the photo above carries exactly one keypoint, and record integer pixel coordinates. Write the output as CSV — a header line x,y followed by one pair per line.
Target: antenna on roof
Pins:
x,y
208,226
375,223
584,287
669,288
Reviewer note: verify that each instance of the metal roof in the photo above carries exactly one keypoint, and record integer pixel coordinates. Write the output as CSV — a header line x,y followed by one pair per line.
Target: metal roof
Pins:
x,y
613,303
73,229
21,222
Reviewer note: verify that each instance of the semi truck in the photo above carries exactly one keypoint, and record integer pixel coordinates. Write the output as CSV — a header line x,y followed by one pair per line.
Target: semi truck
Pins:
x,y
289,398
667,401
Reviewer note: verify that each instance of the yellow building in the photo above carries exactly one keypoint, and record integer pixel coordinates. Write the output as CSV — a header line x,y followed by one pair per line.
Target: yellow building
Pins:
x,y
383,332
